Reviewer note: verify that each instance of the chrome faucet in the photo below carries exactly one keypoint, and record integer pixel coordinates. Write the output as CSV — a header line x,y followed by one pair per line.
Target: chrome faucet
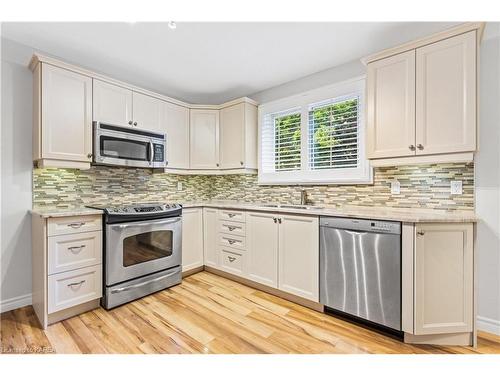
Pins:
x,y
303,197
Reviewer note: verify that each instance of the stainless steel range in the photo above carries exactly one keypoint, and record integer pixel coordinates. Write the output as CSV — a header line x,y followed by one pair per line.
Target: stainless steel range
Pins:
x,y
142,250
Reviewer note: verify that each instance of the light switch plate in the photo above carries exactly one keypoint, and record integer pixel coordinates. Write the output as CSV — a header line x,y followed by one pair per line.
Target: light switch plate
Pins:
x,y
456,187
395,187
179,186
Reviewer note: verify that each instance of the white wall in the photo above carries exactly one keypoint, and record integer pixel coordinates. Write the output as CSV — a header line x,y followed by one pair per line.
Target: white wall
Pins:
x,y
325,77
487,184
15,222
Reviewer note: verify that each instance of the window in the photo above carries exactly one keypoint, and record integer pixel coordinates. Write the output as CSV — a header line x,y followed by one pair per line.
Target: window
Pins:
x,y
316,137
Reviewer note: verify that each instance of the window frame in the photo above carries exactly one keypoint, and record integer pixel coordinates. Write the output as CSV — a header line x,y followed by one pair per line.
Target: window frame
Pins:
x,y
362,174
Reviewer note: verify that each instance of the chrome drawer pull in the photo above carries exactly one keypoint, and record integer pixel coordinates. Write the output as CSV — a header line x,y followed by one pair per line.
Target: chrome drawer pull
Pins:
x,y
231,228
231,241
231,259
76,249
76,225
420,233
76,284
231,215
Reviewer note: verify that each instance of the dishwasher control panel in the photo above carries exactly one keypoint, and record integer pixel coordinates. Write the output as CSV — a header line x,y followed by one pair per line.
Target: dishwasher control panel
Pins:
x,y
361,225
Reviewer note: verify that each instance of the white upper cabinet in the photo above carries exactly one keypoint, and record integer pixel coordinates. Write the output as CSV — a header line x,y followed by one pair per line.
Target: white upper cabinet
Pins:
x,y
391,106
112,104
63,116
423,102
147,111
446,96
232,136
204,136
175,122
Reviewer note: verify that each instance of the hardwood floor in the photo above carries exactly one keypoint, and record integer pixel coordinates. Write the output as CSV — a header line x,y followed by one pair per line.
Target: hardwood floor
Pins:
x,y
207,314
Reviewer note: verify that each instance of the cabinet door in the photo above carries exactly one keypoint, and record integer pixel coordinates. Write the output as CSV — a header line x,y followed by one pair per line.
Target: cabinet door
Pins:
x,y
443,278
262,248
192,238
446,96
232,137
299,256
210,237
112,104
175,123
204,134
66,115
147,111
391,106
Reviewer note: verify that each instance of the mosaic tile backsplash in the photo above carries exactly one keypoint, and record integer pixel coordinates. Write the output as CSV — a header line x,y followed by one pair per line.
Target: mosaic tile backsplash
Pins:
x,y
422,186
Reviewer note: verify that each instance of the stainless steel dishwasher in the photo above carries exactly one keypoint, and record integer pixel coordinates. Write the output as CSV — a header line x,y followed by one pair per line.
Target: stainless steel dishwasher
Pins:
x,y
360,269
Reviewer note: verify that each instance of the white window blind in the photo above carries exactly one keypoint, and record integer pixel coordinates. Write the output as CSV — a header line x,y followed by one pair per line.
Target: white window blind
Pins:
x,y
333,133
281,147
316,137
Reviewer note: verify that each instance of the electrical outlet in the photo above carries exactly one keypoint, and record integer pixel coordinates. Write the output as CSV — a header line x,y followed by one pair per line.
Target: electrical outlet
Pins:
x,y
179,186
456,187
395,187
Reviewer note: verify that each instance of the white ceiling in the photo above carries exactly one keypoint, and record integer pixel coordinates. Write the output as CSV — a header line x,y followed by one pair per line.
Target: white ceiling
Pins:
x,y
213,62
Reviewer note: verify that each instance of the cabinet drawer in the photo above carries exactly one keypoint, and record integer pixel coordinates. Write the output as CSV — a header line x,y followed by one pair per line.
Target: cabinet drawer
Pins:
x,y
232,215
235,242
73,224
232,227
232,261
72,288
72,251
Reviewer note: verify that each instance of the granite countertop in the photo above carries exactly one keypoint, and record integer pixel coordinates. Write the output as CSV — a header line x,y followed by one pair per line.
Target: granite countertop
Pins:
x,y
411,215
64,212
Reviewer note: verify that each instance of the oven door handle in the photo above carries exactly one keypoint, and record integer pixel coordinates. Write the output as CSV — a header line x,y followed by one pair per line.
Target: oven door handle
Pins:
x,y
146,224
125,288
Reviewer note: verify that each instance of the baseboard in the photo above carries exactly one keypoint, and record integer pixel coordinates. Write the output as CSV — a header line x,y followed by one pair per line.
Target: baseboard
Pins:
x,y
488,325
15,303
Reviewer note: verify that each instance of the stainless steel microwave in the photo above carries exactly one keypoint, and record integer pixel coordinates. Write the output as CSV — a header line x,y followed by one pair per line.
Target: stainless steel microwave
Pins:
x,y
129,147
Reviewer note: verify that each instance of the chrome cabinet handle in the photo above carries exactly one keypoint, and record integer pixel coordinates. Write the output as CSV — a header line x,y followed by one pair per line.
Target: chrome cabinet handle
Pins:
x,y
231,259
76,249
231,241
130,122
89,156
231,215
279,220
411,147
231,228
135,123
275,220
125,288
420,233
76,284
420,146
76,225
241,163
217,164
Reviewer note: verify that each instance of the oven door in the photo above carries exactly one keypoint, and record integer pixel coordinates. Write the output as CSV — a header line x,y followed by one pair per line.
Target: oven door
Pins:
x,y
136,249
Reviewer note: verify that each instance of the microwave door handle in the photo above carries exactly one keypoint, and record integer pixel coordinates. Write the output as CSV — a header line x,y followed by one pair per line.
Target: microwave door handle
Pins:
x,y
151,151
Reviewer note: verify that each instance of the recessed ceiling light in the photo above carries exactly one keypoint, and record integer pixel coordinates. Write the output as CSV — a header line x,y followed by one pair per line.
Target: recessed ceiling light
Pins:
x,y
172,25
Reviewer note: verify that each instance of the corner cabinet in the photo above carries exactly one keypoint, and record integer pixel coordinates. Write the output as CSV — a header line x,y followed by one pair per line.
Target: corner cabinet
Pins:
x,y
62,117
204,137
421,103
175,122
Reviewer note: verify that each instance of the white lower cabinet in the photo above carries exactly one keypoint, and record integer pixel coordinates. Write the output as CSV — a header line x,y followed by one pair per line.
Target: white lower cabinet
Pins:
x,y
192,238
232,261
299,256
210,227
262,245
443,278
